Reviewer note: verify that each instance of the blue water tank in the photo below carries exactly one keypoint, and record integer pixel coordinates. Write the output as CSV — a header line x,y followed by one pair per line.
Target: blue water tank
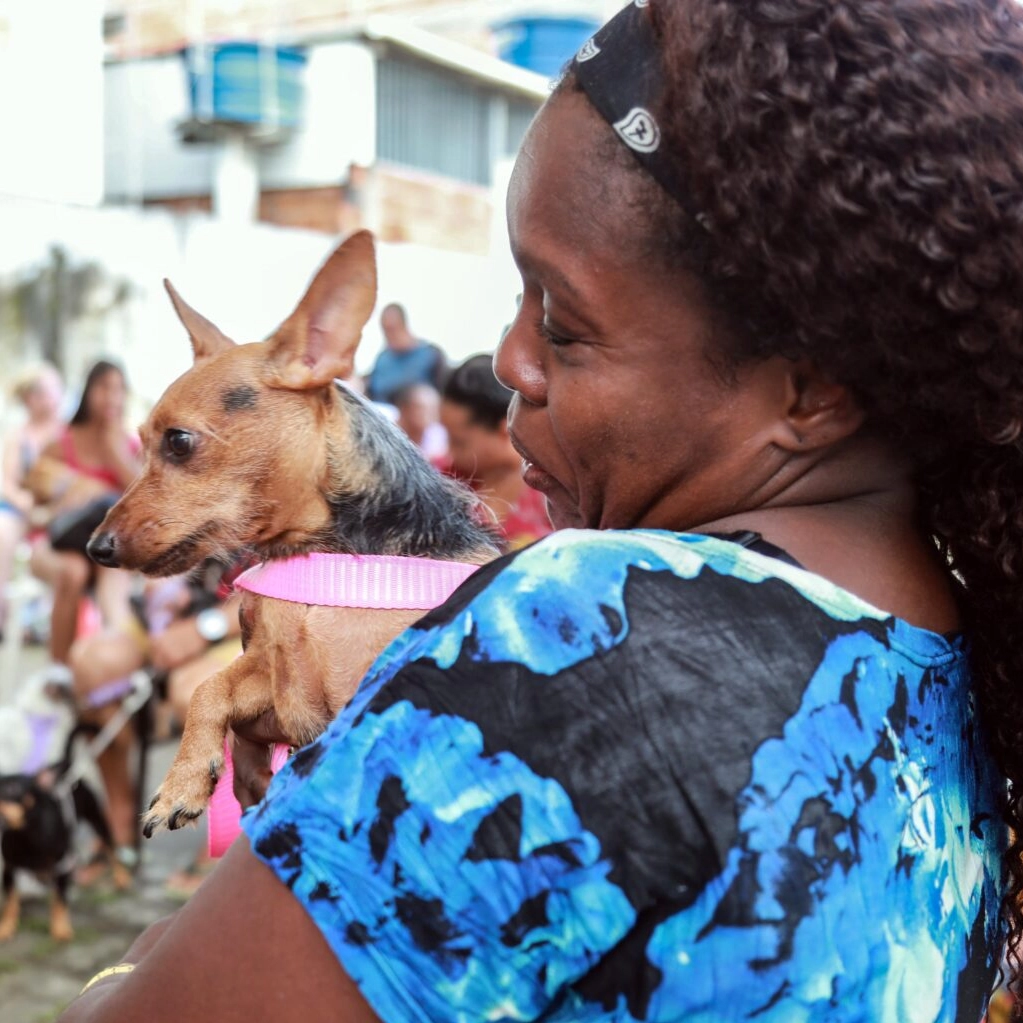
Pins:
x,y
542,44
245,83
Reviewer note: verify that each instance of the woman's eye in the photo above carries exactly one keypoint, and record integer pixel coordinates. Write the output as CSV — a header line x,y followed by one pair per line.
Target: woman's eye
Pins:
x,y
551,338
178,444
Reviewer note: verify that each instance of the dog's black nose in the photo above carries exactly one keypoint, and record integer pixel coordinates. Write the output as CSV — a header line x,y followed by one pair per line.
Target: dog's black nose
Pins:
x,y
102,548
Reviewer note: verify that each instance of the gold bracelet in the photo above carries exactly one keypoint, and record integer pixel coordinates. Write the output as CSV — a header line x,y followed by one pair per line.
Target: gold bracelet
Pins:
x,y
110,971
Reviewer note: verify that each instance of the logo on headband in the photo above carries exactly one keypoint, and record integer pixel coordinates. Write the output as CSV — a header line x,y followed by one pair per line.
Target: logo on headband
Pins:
x,y
639,131
587,51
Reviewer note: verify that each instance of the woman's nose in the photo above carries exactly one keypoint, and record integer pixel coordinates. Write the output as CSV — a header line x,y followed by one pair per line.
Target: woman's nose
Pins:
x,y
518,361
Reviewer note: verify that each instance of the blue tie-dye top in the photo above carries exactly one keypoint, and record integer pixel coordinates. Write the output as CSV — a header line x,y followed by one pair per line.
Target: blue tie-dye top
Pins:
x,y
647,776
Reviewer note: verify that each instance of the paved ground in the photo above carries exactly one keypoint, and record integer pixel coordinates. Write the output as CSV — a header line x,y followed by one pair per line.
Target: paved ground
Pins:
x,y
39,976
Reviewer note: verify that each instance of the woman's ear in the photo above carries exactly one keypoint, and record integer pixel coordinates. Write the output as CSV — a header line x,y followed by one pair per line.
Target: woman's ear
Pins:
x,y
819,412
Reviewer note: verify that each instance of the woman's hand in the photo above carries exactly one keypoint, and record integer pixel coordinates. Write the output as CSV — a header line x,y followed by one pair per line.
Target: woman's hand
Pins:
x,y
252,745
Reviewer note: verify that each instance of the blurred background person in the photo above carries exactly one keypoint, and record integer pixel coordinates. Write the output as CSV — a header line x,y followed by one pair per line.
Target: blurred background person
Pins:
x,y
40,392
474,412
418,408
405,360
184,629
77,477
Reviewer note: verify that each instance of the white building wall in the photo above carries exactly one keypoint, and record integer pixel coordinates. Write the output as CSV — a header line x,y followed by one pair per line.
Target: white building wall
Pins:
x,y
51,99
339,121
145,102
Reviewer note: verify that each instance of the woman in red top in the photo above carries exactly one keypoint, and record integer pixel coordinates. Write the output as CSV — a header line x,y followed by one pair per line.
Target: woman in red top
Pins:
x,y
474,411
95,455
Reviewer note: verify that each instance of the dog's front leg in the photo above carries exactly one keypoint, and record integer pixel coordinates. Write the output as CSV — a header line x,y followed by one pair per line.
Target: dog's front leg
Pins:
x,y
240,690
60,918
12,906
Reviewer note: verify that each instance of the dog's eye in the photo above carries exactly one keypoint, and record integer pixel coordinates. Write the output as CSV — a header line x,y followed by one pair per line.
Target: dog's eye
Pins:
x,y
178,444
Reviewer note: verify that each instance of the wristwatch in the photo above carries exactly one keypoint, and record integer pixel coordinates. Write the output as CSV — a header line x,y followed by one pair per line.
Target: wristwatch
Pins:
x,y
211,624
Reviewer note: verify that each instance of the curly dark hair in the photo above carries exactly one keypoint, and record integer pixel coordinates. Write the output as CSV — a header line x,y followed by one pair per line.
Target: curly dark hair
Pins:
x,y
858,167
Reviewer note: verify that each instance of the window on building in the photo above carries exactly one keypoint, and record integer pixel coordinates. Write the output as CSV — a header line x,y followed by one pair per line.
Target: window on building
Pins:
x,y
442,122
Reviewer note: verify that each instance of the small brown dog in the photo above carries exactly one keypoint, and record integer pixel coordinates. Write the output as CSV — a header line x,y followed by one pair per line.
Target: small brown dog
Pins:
x,y
39,816
258,447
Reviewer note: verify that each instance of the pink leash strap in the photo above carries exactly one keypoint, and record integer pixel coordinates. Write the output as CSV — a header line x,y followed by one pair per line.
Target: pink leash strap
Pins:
x,y
357,580
224,813
332,580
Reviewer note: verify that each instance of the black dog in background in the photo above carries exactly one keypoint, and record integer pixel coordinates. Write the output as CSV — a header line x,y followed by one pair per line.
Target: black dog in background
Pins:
x,y
39,815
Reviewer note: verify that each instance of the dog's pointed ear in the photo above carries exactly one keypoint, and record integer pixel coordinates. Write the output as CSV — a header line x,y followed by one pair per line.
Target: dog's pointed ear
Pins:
x,y
206,338
316,344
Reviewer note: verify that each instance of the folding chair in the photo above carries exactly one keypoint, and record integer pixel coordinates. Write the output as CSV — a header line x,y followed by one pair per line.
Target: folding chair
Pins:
x,y
20,591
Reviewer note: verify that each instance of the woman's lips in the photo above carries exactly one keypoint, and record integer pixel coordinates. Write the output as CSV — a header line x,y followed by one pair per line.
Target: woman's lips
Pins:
x,y
536,479
535,476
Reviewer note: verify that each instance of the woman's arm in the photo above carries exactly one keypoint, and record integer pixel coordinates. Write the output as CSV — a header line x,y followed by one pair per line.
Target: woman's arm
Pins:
x,y
181,641
241,949
12,487
121,456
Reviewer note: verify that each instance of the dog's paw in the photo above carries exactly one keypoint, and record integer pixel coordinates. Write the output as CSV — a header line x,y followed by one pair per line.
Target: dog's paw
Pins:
x,y
165,814
170,814
60,927
122,877
182,797
10,917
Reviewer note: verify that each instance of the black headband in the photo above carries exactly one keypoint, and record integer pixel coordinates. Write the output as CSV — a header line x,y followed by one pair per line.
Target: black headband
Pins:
x,y
621,71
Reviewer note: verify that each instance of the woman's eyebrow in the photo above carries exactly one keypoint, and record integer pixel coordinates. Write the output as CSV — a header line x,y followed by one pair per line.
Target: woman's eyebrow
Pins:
x,y
550,274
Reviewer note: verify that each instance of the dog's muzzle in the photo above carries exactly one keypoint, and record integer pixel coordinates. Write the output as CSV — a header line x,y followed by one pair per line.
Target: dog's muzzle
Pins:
x,y
102,548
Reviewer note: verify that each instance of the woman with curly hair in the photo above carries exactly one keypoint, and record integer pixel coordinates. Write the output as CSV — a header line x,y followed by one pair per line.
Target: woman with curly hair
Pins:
x,y
735,741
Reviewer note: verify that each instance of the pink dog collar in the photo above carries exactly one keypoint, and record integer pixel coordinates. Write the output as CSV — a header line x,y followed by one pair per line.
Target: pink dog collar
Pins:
x,y
332,580
357,580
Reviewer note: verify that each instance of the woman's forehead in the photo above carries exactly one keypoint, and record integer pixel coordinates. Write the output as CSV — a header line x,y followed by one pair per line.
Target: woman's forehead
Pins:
x,y
565,191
